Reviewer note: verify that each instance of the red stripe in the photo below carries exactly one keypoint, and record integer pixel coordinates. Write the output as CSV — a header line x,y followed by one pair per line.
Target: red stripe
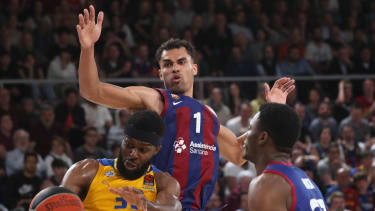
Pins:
x,y
166,101
181,160
294,194
207,161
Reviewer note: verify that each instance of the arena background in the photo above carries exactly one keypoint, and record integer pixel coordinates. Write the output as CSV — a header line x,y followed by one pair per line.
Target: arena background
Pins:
x,y
326,45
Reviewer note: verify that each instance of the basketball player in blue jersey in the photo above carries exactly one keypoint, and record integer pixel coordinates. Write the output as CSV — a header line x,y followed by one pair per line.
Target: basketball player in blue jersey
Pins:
x,y
194,137
129,182
279,186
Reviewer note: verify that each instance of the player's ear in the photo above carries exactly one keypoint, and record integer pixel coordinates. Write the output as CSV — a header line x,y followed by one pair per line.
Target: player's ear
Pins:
x,y
195,69
160,75
263,138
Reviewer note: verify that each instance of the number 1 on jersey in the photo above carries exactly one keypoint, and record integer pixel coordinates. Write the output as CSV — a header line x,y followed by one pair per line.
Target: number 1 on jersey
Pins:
x,y
197,116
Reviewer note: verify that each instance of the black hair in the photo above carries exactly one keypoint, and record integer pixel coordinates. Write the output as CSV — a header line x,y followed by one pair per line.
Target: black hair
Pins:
x,y
30,154
360,176
70,90
58,163
282,124
148,121
87,130
174,44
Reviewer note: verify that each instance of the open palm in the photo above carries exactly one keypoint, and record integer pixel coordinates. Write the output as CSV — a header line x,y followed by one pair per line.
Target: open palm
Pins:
x,y
88,30
279,91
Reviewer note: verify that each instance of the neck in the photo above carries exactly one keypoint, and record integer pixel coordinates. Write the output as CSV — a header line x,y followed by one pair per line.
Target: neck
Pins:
x,y
89,147
28,174
263,161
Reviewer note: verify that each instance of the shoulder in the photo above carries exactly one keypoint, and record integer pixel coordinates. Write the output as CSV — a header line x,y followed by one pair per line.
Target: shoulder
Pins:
x,y
83,170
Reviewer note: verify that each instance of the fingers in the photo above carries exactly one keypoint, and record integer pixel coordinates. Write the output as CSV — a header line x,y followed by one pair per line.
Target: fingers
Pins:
x,y
100,18
281,82
92,13
81,21
86,16
290,89
267,89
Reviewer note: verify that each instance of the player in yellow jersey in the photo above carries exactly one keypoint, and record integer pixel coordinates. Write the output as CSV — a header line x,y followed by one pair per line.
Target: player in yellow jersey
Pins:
x,y
129,182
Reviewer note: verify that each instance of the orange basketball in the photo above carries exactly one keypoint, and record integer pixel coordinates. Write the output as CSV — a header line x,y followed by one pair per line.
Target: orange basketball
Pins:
x,y
56,199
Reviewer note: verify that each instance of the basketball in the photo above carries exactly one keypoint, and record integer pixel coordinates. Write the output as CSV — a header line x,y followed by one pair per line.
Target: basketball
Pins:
x,y
56,199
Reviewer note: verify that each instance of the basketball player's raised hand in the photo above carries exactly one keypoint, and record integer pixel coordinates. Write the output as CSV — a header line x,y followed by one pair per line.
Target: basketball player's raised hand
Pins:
x,y
89,30
279,91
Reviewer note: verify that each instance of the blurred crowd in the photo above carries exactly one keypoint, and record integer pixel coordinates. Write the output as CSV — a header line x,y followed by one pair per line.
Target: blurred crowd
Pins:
x,y
45,128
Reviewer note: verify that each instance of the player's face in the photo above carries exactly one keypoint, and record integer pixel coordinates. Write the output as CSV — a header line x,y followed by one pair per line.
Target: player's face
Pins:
x,y
135,157
250,148
177,70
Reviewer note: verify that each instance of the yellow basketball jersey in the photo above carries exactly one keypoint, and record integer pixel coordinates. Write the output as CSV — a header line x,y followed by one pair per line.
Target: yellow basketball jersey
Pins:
x,y
98,196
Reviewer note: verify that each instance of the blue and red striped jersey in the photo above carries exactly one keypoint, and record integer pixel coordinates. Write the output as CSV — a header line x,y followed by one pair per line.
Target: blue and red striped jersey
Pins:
x,y
189,149
305,193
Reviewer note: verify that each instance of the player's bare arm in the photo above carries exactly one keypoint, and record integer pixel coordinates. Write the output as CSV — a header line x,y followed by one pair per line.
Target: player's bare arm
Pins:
x,y
269,192
91,88
230,146
79,176
166,199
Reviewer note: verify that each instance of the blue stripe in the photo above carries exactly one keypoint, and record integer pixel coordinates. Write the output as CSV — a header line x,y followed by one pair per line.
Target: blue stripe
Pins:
x,y
107,162
154,169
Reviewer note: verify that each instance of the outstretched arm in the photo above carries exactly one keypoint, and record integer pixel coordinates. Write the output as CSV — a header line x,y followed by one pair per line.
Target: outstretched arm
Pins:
x,y
230,146
79,177
167,198
91,88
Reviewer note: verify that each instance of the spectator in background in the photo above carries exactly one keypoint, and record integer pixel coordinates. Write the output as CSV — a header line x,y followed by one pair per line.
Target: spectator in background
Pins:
x,y
14,160
305,123
216,103
240,124
234,200
344,101
23,186
59,168
71,115
238,26
26,114
116,132
232,175
344,185
142,66
296,40
337,201
328,166
324,119
365,195
238,65
318,53
259,100
320,147
294,65
6,133
60,150
352,149
365,64
89,149
6,66
267,66
62,67
367,100
235,99
256,48
360,125
143,22
183,15
44,129
65,40
342,65
6,105
313,104
97,116
335,41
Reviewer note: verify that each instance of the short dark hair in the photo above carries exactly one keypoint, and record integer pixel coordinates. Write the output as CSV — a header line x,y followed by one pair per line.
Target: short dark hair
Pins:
x,y
174,44
30,154
70,90
282,124
148,121
58,163
87,130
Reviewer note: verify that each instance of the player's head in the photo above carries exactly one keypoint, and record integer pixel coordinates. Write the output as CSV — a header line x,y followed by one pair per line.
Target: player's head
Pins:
x,y
275,128
143,134
177,68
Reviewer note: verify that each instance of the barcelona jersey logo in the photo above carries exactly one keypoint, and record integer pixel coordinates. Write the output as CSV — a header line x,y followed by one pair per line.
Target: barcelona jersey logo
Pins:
x,y
174,96
148,180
